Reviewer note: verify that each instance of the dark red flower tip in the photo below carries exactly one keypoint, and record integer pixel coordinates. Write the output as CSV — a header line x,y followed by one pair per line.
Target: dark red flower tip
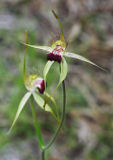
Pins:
x,y
42,87
54,57
56,54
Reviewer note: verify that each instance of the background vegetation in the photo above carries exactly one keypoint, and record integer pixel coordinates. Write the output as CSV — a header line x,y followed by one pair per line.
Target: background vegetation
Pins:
x,y
88,130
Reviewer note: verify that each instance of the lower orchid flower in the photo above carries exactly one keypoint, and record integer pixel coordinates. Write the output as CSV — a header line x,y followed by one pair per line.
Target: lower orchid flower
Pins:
x,y
34,82
57,52
35,86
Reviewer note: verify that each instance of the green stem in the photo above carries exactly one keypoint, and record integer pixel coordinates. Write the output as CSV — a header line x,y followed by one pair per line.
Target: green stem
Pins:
x,y
37,128
24,67
60,125
43,154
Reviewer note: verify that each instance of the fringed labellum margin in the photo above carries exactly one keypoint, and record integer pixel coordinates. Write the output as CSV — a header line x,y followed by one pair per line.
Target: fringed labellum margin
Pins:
x,y
56,54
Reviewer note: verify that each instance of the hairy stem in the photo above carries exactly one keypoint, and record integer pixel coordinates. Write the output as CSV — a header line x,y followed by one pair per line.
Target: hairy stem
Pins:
x,y
60,125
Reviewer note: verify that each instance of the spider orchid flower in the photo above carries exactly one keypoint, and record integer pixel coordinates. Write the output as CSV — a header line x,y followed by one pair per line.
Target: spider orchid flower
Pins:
x,y
57,52
33,82
35,86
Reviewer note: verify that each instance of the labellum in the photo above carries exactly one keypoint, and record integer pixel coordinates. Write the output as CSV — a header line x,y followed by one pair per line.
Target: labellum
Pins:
x,y
34,82
56,54
41,86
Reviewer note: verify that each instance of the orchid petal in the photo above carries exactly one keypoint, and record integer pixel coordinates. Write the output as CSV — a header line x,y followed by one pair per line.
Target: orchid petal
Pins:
x,y
21,106
63,74
46,70
64,69
55,105
76,56
39,100
45,48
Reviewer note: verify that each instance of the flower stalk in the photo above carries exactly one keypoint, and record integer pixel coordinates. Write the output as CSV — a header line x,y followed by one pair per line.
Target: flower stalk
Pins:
x,y
37,128
60,125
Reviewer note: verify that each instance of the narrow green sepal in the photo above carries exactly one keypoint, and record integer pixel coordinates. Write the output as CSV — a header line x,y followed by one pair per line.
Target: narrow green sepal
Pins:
x,y
39,100
61,30
49,97
79,57
45,48
63,73
20,108
64,70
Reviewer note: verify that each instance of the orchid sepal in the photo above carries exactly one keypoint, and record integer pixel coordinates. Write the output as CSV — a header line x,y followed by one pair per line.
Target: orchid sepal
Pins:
x,y
49,97
20,108
39,100
62,39
45,48
79,57
46,70
63,73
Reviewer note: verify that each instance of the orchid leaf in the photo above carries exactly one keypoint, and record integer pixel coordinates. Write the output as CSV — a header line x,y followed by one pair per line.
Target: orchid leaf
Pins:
x,y
21,106
61,28
76,56
45,48
39,100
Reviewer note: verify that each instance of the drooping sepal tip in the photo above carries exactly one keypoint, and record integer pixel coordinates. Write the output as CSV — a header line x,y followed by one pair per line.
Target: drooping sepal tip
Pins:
x,y
20,108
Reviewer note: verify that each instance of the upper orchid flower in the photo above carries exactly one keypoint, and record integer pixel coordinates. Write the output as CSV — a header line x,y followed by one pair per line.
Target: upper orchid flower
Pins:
x,y
35,86
57,52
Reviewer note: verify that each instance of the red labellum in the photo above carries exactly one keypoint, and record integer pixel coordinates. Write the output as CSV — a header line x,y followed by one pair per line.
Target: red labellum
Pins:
x,y
39,83
56,54
34,82
42,87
